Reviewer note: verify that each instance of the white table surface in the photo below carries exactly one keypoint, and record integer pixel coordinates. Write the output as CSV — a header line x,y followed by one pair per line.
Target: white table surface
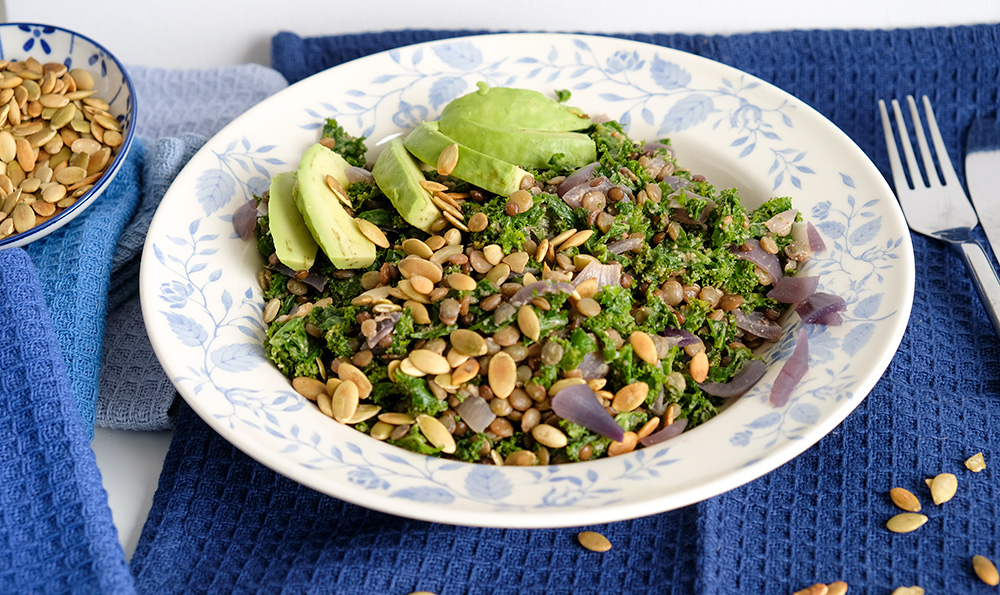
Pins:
x,y
207,33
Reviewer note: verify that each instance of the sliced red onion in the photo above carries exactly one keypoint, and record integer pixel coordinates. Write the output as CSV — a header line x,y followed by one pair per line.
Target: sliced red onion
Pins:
x,y
653,146
781,224
822,308
384,325
790,290
357,174
605,274
584,174
762,258
538,289
314,280
679,337
574,197
816,243
680,213
593,366
792,372
676,182
623,246
476,413
580,405
245,220
746,377
758,324
672,431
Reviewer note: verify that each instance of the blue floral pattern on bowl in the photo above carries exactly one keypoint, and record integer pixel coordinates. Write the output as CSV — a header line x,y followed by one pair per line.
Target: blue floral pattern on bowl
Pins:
x,y
203,306
47,43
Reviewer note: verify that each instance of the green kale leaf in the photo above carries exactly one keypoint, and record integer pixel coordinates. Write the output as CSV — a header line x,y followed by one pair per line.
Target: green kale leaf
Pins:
x,y
350,148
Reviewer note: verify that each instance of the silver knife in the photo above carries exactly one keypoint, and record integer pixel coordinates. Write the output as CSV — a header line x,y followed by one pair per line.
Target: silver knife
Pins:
x,y
982,176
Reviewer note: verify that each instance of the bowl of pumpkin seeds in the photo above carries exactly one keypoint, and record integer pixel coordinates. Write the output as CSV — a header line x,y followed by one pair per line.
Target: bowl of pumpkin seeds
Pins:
x,y
67,116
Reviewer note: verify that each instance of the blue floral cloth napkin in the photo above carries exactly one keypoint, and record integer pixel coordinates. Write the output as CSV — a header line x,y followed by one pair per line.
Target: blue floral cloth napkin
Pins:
x,y
222,523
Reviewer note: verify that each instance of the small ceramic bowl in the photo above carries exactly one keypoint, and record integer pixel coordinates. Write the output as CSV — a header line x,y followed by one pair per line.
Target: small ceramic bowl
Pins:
x,y
55,45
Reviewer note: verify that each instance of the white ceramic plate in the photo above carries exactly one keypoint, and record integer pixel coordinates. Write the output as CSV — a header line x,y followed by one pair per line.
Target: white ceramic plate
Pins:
x,y
202,304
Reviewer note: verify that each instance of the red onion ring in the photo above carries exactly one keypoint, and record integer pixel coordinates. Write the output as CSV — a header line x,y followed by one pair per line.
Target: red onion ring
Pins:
x,y
622,246
580,405
792,372
757,324
672,431
605,274
822,308
245,220
742,381
760,257
791,290
476,413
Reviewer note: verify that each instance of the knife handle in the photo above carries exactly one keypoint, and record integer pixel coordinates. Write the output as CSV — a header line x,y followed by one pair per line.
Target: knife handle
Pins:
x,y
984,278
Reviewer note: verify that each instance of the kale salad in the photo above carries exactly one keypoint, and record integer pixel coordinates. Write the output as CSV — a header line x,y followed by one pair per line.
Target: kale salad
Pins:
x,y
518,283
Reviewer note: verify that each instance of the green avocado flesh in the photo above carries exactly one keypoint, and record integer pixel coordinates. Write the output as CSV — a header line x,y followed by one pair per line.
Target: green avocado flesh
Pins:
x,y
489,173
514,109
333,228
293,242
518,126
398,176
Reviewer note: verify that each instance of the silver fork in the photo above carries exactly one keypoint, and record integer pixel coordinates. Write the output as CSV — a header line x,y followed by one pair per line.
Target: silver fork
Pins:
x,y
935,209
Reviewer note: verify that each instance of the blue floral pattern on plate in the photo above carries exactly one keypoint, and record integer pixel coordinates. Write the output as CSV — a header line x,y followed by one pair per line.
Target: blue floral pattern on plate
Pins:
x,y
202,304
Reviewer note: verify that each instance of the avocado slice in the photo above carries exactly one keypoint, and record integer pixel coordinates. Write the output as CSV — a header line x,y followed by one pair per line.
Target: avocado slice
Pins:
x,y
293,242
528,148
398,176
330,224
518,126
489,173
513,109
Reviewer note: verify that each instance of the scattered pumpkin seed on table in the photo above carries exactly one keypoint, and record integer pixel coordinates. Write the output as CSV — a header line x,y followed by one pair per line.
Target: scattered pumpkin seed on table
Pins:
x,y
594,541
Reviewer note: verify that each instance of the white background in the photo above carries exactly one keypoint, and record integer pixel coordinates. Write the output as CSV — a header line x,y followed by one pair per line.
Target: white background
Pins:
x,y
206,33
209,33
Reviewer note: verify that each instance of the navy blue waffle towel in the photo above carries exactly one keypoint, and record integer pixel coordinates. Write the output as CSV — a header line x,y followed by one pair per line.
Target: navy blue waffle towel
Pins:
x,y
223,523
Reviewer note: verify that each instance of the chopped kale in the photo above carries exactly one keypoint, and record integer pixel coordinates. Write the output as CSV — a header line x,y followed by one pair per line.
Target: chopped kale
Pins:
x,y
352,149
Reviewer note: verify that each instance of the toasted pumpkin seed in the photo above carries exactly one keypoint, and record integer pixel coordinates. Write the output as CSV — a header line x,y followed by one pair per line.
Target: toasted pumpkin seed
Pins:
x,y
364,412
985,570
629,397
461,282
549,436
502,375
914,590
308,387
413,265
836,588
699,366
521,458
528,322
436,433
627,445
593,541
447,160
904,499
429,362
468,342
344,401
975,463
465,371
643,346
350,373
418,311
943,487
906,522
23,217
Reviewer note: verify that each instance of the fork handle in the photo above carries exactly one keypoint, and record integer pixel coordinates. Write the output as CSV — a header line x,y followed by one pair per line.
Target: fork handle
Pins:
x,y
984,277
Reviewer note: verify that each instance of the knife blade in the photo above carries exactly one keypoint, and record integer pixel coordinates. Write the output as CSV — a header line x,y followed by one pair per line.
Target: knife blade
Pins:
x,y
982,176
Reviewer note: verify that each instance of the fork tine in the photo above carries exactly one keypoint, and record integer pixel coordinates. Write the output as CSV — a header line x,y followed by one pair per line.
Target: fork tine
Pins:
x,y
898,176
950,177
925,151
916,178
